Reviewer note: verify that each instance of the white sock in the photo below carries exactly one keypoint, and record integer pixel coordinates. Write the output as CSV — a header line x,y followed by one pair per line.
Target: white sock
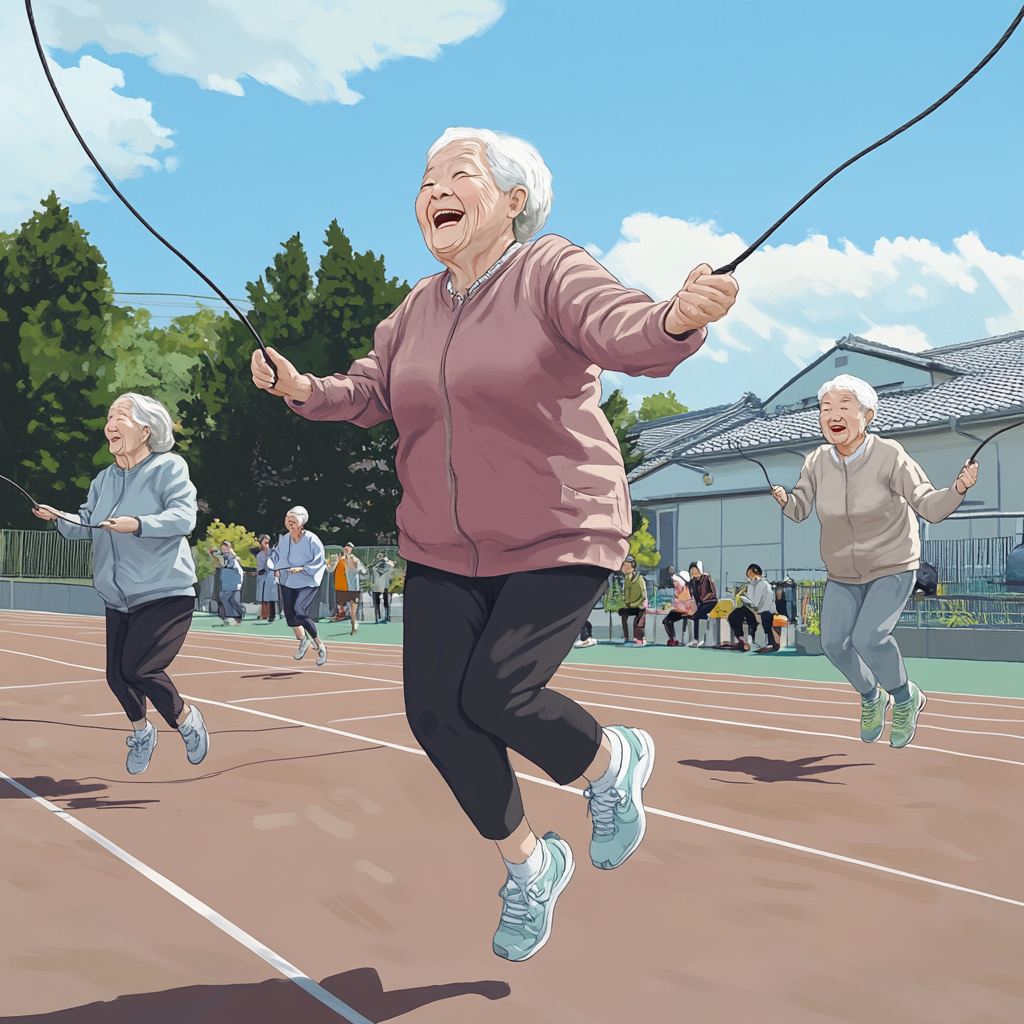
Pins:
x,y
534,865
614,762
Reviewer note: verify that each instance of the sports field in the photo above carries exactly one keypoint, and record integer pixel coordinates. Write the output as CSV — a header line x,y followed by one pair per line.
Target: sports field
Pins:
x,y
316,868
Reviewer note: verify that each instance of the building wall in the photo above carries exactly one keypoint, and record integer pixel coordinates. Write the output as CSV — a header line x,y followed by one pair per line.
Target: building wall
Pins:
x,y
728,529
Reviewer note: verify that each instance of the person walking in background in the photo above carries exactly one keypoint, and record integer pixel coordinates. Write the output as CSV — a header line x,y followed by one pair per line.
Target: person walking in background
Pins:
x,y
634,602
299,560
381,574
266,582
142,569
683,607
757,600
346,585
702,587
515,504
868,493
230,597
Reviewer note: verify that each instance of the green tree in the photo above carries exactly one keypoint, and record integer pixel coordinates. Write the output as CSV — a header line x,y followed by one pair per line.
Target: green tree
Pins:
x,y
216,533
654,407
616,409
260,459
56,297
641,546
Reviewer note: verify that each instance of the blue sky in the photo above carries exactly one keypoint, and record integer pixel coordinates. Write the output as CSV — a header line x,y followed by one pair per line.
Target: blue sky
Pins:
x,y
656,119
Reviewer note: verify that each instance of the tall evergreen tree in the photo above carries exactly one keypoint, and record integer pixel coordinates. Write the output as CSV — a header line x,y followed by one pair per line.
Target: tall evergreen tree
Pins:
x,y
261,458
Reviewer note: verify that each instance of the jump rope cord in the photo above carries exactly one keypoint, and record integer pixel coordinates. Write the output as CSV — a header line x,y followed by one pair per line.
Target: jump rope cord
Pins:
x,y
730,267
117,192
35,504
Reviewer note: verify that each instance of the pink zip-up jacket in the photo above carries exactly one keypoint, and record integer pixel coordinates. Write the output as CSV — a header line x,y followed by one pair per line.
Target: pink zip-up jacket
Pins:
x,y
506,460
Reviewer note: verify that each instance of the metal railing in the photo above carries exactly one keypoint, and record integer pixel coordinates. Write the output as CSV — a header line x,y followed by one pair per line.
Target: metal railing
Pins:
x,y
44,554
968,557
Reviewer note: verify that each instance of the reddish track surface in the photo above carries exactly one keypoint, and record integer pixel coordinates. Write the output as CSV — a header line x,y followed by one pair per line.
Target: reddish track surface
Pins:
x,y
350,858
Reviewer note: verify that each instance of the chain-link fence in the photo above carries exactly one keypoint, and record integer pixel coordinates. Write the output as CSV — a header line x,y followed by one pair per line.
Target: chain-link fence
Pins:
x,y
44,554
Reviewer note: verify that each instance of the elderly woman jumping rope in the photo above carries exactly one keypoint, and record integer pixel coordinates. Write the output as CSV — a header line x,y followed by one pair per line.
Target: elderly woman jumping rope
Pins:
x,y
515,502
869,493
143,569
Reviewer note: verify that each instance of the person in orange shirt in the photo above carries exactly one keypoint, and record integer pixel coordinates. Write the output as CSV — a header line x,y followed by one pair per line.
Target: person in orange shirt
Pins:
x,y
346,585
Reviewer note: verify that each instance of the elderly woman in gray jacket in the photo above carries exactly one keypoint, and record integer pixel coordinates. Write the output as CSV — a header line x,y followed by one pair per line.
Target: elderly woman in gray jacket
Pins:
x,y
869,493
145,505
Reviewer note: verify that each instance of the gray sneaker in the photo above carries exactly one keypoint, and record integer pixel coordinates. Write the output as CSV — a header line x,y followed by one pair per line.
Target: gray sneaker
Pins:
x,y
618,810
872,715
304,645
140,749
197,739
526,916
321,652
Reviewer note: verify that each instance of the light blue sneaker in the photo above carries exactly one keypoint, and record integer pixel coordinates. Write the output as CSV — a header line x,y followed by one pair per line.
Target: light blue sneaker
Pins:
x,y
321,652
141,745
304,645
526,916
618,810
905,716
193,732
872,715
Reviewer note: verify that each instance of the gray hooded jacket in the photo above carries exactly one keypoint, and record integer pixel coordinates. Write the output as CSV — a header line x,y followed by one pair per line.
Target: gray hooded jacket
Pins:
x,y
132,569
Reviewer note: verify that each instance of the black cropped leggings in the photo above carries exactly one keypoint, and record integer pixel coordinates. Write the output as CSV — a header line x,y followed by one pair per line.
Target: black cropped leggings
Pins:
x,y
477,657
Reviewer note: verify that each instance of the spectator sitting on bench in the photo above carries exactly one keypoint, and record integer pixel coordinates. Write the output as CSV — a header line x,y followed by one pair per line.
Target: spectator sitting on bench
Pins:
x,y
634,602
702,587
757,599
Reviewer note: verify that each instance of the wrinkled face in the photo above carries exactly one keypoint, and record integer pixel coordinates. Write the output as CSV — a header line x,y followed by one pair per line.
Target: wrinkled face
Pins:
x,y
292,523
842,419
122,432
459,202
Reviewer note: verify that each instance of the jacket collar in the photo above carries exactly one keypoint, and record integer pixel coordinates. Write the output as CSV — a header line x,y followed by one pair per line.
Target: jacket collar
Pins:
x,y
490,272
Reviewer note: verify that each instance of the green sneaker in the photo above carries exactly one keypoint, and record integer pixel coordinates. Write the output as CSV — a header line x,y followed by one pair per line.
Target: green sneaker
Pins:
x,y
618,811
904,718
526,917
872,715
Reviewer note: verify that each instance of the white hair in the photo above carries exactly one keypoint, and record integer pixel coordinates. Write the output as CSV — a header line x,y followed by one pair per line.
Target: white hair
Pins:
x,y
861,389
148,412
300,513
513,162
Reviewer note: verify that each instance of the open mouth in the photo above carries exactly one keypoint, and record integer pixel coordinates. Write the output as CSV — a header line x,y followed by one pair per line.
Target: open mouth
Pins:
x,y
837,428
443,217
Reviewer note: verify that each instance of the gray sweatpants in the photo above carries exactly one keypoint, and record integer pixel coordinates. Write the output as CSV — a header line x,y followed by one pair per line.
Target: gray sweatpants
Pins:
x,y
857,620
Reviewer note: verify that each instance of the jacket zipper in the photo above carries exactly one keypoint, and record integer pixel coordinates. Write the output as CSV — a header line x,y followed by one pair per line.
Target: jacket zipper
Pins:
x,y
453,483
849,521
113,546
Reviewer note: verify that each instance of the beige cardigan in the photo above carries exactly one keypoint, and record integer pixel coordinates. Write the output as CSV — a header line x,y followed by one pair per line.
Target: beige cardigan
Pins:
x,y
868,508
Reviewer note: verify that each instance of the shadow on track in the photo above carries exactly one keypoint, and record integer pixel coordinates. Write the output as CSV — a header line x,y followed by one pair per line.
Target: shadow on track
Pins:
x,y
765,769
269,1002
71,790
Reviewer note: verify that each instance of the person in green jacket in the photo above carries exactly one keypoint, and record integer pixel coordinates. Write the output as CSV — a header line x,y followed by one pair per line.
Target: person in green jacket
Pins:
x,y
634,602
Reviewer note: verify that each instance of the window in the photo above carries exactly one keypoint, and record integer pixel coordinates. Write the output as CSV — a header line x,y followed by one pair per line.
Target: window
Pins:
x,y
842,360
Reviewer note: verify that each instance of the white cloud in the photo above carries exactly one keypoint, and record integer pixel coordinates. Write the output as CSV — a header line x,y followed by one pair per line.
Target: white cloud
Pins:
x,y
795,300
39,151
308,49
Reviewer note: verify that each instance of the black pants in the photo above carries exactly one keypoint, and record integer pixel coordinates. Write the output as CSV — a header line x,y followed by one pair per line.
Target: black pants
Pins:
x,y
744,616
140,645
587,631
378,596
296,603
638,625
477,657
669,622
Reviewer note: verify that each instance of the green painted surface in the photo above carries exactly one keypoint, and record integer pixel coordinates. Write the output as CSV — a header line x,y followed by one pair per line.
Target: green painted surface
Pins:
x,y
988,678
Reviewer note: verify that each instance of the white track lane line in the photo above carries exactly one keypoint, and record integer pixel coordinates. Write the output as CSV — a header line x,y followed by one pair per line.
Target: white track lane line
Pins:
x,y
325,693
795,714
653,810
54,661
798,732
279,963
840,699
739,679
64,682
363,718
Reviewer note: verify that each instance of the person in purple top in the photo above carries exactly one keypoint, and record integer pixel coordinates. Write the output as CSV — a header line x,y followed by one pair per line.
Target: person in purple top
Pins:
x,y
515,505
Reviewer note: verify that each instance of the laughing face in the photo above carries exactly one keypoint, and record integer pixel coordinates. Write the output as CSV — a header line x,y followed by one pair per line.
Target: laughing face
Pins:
x,y
843,421
124,435
459,207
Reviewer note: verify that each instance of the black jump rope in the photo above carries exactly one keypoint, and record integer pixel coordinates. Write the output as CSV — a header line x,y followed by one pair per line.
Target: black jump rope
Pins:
x,y
727,269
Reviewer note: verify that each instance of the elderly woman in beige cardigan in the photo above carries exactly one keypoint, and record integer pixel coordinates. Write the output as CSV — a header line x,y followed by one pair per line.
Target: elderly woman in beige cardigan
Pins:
x,y
869,493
